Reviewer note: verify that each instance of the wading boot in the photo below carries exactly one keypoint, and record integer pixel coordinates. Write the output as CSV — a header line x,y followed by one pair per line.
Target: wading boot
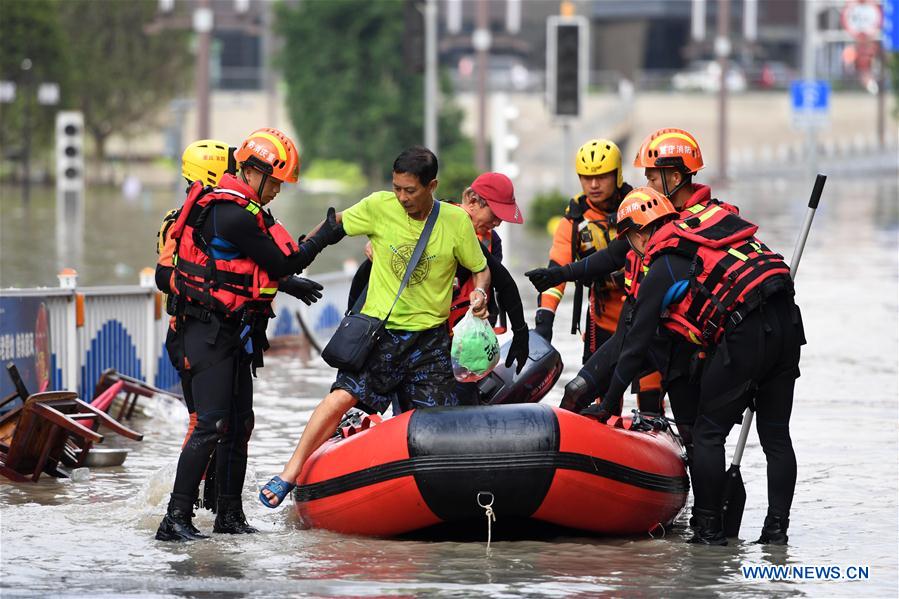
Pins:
x,y
229,517
707,528
177,525
774,532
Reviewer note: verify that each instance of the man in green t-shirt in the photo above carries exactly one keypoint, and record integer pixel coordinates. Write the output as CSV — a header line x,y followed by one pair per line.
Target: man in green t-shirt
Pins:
x,y
411,361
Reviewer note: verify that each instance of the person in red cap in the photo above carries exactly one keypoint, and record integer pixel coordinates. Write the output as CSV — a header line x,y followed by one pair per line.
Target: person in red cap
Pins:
x,y
489,201
497,202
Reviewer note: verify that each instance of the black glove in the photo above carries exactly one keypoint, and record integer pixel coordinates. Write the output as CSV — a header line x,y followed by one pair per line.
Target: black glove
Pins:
x,y
544,324
602,411
329,233
303,289
518,350
546,278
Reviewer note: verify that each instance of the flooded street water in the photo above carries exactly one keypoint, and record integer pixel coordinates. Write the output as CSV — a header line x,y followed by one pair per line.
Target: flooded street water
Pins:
x,y
95,537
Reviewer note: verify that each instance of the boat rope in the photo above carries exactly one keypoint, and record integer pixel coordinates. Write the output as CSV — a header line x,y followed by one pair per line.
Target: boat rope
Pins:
x,y
658,526
488,511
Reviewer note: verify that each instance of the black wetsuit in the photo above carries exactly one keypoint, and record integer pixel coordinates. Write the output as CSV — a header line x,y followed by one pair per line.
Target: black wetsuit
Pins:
x,y
756,362
674,357
661,351
220,361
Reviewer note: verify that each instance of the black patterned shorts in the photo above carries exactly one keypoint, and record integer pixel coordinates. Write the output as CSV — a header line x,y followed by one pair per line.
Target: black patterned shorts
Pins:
x,y
407,369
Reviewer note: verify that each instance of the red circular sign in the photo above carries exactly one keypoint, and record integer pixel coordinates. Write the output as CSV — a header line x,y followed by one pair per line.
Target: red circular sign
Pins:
x,y
862,19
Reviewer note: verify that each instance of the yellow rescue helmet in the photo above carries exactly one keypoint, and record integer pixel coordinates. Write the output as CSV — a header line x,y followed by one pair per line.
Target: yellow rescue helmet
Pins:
x,y
597,157
206,160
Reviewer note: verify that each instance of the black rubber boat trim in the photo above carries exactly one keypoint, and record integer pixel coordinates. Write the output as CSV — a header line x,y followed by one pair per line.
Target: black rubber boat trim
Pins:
x,y
549,459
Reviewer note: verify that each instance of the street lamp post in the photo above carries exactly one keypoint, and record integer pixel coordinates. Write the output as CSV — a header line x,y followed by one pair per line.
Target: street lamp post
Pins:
x,y
432,92
481,42
26,134
203,20
722,50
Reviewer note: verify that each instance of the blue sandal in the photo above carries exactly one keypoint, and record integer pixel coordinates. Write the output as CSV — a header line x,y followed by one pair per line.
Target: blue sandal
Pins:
x,y
279,488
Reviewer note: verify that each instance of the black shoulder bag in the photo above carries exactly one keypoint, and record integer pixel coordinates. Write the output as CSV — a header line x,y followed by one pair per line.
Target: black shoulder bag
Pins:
x,y
358,334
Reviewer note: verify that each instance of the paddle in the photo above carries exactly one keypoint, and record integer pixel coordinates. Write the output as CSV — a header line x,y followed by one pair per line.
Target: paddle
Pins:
x,y
734,499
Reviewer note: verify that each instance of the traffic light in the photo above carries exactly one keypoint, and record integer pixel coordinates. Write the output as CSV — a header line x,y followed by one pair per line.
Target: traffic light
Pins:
x,y
566,64
414,36
69,151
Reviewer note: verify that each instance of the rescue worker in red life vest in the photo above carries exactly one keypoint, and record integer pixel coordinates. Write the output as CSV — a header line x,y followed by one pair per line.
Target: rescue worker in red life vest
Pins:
x,y
231,257
489,201
203,163
588,227
709,280
671,158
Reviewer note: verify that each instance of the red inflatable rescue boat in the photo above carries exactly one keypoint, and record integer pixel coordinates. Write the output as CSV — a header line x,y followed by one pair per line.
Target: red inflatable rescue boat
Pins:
x,y
533,461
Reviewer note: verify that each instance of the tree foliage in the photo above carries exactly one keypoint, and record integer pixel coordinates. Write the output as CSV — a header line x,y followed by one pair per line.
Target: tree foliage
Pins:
x,y
121,75
29,30
350,95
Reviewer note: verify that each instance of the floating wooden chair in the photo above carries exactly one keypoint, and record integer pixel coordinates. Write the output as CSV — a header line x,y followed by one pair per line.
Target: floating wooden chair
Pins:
x,y
134,388
50,428
42,427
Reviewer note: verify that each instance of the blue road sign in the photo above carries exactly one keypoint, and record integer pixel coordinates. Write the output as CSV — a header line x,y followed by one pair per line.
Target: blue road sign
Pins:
x,y
810,96
890,26
811,103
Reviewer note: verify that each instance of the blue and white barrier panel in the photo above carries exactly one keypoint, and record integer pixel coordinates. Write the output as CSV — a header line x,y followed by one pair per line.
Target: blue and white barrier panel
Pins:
x,y
64,338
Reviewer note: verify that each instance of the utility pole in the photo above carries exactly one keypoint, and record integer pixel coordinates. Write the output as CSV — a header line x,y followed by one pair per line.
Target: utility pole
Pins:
x,y
809,47
432,97
481,43
26,137
271,89
203,21
722,50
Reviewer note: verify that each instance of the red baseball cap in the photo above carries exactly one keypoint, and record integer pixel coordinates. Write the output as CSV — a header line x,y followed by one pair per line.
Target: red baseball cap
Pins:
x,y
496,189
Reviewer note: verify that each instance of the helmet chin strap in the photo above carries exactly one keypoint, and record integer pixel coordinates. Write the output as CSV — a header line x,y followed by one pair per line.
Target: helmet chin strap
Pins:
x,y
670,192
633,247
243,175
261,186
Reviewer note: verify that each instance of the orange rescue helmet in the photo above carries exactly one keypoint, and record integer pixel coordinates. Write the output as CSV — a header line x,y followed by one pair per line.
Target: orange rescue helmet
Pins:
x,y
670,148
271,152
641,208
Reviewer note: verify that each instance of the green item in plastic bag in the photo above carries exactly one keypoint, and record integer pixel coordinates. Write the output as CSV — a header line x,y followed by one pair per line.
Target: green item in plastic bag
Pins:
x,y
475,349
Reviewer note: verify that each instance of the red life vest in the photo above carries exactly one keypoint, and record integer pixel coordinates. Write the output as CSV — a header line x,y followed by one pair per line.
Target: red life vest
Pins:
x,y
732,271
223,285
635,269
702,196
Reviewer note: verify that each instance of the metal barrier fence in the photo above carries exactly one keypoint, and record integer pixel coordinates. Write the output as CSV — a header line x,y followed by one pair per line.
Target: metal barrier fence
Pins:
x,y
92,329
318,321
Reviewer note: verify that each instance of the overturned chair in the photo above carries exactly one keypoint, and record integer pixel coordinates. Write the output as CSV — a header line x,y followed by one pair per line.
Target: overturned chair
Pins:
x,y
132,387
53,429
49,428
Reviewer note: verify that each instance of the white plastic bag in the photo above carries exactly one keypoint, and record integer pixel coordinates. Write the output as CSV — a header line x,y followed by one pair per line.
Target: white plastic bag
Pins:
x,y
475,349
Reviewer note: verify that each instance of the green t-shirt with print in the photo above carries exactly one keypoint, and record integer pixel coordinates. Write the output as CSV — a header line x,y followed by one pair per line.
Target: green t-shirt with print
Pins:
x,y
425,303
